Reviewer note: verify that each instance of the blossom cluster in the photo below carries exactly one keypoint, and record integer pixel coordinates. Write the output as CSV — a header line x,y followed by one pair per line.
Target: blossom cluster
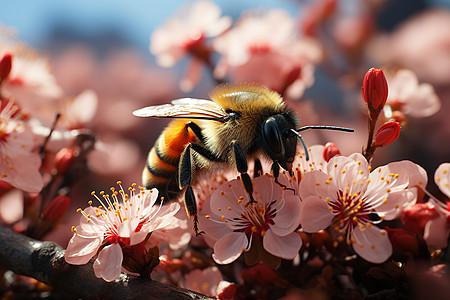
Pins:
x,y
356,219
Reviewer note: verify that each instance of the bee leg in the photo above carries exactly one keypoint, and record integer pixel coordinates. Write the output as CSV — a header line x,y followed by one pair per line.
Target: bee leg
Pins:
x,y
258,168
185,176
196,130
276,174
241,164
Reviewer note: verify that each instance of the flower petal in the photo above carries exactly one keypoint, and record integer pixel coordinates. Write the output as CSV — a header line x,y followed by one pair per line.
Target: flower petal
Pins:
x,y
396,202
384,180
315,214
436,232
228,248
286,247
108,264
372,244
82,248
442,178
287,218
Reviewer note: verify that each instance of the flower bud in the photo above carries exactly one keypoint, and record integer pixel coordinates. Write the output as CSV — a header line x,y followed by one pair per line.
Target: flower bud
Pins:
x,y
387,134
403,240
416,216
330,150
375,89
64,159
56,209
5,66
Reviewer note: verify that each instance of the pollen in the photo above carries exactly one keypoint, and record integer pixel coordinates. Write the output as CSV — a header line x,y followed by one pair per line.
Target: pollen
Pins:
x,y
207,216
335,244
222,193
223,217
327,182
317,183
73,229
229,207
382,177
383,232
361,245
445,171
369,168
360,171
343,171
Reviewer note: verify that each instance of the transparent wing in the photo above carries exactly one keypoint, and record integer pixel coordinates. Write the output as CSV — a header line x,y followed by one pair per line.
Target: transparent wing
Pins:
x,y
184,108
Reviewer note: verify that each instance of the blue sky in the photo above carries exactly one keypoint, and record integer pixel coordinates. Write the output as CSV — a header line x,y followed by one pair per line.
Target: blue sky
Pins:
x,y
34,20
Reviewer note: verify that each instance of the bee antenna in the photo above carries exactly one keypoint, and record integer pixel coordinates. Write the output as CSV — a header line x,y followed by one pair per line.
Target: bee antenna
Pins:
x,y
326,127
303,142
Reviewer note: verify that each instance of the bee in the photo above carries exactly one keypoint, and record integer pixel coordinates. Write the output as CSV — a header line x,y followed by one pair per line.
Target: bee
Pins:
x,y
241,122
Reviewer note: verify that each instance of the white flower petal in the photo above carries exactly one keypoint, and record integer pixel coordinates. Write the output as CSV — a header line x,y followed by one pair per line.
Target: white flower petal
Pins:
x,y
372,244
82,248
286,247
228,248
442,178
436,232
108,264
315,214
287,219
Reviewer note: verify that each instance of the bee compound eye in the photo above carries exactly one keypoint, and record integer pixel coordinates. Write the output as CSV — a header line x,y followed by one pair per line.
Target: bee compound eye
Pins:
x,y
272,136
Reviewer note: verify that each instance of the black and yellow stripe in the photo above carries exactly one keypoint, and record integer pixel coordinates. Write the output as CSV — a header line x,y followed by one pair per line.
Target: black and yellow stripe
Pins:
x,y
161,170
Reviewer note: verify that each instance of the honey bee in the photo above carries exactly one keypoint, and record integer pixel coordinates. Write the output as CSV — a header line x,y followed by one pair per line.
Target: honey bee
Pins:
x,y
241,123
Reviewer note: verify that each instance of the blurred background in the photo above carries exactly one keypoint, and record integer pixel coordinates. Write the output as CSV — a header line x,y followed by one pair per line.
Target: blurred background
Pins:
x,y
104,46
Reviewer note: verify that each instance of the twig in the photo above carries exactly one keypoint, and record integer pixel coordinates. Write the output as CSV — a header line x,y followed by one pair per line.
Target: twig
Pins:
x,y
45,262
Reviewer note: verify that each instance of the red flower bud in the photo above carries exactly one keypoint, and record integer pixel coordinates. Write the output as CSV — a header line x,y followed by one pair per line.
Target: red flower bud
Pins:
x,y
56,209
330,150
227,291
5,66
387,134
416,216
403,239
375,89
64,160
260,273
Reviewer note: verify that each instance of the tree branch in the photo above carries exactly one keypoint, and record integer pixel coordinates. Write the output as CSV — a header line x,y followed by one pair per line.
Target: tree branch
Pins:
x,y
45,262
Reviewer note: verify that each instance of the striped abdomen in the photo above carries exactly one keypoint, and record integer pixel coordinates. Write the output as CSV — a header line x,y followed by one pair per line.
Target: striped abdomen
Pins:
x,y
161,170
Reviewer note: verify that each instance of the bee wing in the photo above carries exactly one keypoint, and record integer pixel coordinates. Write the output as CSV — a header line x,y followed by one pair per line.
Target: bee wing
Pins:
x,y
184,108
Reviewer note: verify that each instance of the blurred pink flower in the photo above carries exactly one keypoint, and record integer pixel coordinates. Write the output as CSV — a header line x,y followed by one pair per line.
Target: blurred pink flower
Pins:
x,y
206,281
262,44
421,43
347,193
30,81
410,97
115,223
19,164
185,34
437,229
237,226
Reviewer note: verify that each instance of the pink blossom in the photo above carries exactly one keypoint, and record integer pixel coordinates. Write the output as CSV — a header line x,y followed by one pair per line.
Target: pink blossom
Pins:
x,y
185,34
238,226
30,81
437,229
347,194
409,96
206,281
19,164
116,223
265,43
301,166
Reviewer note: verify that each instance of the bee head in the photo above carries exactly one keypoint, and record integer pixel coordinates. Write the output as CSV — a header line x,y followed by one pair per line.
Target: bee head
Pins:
x,y
279,142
